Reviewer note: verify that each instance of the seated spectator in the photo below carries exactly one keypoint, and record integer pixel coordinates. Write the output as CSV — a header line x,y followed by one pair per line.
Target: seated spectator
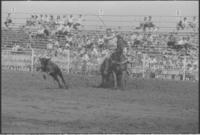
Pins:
x,y
70,21
8,21
149,24
57,20
52,22
50,45
138,39
133,37
194,23
183,41
46,19
69,39
142,23
185,22
101,41
66,29
41,19
37,20
15,48
29,21
60,28
79,22
182,24
65,19
172,41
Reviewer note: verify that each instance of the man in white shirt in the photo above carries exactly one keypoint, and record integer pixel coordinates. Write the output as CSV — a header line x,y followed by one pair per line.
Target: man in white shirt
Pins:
x,y
110,40
79,22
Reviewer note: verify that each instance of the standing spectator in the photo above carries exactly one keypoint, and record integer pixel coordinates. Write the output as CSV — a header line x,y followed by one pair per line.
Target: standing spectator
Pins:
x,y
185,22
41,19
46,19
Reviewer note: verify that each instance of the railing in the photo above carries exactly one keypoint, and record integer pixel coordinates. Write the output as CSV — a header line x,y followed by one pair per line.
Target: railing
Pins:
x,y
27,60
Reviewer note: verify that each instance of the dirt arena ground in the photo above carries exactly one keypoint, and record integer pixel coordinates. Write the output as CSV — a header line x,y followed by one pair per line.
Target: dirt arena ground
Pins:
x,y
33,105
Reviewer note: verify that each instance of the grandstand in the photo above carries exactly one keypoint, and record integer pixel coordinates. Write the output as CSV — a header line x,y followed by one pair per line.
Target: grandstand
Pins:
x,y
153,43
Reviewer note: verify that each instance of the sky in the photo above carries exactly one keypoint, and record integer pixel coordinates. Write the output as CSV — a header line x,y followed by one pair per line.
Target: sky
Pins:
x,y
23,9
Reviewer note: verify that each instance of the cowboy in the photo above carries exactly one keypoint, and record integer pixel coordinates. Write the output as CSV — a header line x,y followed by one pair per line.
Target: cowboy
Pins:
x,y
110,41
49,51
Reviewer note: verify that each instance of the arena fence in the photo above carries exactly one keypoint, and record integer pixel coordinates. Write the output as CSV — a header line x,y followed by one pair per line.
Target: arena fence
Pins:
x,y
142,66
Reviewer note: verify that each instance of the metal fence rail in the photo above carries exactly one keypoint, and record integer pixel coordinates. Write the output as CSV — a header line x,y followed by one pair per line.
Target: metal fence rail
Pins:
x,y
159,66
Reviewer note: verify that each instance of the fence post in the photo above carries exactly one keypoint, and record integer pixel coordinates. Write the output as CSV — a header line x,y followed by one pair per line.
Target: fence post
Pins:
x,y
68,61
32,59
143,65
184,67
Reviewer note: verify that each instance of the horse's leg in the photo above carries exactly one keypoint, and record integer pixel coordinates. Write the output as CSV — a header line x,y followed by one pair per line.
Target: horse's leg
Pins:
x,y
102,81
56,78
115,79
119,80
63,80
44,76
123,79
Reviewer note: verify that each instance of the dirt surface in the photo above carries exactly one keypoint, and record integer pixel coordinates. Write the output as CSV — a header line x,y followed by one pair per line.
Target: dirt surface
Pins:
x,y
33,105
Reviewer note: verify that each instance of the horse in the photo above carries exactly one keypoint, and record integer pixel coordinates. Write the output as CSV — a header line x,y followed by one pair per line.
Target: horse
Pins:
x,y
47,66
115,65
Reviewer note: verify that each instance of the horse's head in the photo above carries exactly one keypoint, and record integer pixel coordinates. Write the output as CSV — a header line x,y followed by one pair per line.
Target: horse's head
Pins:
x,y
44,60
121,43
43,63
